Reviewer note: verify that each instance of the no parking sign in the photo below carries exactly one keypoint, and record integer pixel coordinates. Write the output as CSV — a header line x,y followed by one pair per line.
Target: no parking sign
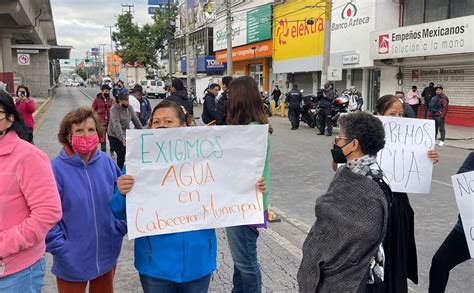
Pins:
x,y
24,59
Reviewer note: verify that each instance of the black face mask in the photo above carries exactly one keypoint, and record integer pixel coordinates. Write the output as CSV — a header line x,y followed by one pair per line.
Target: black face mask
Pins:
x,y
338,155
106,95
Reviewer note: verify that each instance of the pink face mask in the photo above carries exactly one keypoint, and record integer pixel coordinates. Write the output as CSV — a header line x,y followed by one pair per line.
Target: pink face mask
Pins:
x,y
84,144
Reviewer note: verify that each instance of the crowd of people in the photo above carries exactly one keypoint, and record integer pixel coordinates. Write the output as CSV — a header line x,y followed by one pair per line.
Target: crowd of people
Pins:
x,y
74,206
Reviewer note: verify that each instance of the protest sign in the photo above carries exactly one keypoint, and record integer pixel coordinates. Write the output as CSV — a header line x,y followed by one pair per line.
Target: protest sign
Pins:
x,y
463,185
192,178
404,159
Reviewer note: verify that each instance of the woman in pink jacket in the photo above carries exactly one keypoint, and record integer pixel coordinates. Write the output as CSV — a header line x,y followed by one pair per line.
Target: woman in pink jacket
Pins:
x,y
26,106
29,204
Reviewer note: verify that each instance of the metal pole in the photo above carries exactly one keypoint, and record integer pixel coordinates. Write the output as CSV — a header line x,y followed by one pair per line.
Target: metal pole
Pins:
x,y
327,42
229,38
169,42
188,55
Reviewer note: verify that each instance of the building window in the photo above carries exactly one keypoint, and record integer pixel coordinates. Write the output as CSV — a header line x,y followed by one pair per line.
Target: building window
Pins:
x,y
413,12
436,10
461,8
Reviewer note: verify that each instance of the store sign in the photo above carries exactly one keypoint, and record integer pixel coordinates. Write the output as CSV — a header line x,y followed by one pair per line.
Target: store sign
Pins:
x,y
259,22
247,52
352,23
27,51
212,65
239,32
350,59
438,75
334,73
449,36
298,37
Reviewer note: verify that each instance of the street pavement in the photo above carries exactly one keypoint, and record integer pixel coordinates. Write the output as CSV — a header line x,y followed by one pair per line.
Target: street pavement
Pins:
x,y
300,172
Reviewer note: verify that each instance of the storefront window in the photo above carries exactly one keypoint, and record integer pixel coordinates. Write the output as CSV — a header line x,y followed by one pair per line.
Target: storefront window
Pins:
x,y
461,8
413,12
436,10
256,71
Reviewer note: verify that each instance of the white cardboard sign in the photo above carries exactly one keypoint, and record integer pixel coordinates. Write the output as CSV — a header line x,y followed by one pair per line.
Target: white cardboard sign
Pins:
x,y
404,159
463,185
193,178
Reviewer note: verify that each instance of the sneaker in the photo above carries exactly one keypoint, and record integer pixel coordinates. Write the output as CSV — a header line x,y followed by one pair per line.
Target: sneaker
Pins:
x,y
441,143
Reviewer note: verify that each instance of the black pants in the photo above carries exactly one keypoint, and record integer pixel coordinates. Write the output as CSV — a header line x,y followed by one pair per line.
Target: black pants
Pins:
x,y
452,252
325,121
30,136
439,125
415,109
425,111
294,115
117,146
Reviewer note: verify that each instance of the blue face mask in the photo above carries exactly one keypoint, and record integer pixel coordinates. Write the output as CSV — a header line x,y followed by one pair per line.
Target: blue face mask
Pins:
x,y
338,154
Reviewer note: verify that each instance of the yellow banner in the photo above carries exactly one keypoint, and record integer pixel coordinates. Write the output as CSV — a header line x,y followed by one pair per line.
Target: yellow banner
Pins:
x,y
293,36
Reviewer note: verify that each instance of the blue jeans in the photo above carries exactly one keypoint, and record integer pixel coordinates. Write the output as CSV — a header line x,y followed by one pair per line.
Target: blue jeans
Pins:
x,y
29,280
153,285
243,246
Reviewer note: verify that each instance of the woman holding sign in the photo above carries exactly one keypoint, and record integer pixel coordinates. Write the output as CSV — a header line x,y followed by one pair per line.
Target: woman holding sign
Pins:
x,y
245,107
86,242
177,262
454,249
399,243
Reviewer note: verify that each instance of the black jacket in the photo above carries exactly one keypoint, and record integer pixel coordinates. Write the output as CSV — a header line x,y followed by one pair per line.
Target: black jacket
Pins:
x,y
326,99
294,98
181,98
221,110
428,93
209,108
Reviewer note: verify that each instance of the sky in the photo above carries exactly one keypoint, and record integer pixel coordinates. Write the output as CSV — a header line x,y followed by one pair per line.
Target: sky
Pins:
x,y
81,23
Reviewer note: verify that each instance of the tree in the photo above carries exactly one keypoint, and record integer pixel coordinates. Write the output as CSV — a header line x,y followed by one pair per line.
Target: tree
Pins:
x,y
81,72
141,44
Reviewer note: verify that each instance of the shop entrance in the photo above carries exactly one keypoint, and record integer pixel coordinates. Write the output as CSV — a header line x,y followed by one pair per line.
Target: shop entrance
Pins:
x,y
373,88
256,71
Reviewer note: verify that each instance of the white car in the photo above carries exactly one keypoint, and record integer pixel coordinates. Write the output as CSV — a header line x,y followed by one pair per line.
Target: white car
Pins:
x,y
155,88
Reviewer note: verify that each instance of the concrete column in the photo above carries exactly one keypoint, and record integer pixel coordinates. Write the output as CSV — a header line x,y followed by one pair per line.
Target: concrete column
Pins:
x,y
365,87
6,66
315,82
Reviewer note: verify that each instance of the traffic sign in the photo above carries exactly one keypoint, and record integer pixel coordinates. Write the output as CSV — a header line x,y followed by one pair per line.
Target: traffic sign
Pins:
x,y
23,59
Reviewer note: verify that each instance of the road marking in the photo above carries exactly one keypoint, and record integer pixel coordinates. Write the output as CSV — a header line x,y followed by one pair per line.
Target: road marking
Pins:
x,y
303,227
86,94
285,243
442,183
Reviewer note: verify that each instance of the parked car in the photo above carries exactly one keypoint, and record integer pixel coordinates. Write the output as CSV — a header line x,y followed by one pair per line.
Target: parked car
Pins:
x,y
154,88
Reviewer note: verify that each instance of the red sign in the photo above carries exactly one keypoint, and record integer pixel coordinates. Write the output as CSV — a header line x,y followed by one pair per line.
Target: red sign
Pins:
x,y
384,42
247,52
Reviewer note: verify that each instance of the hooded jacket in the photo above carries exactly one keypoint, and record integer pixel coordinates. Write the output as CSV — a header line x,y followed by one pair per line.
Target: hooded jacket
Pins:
x,y
177,257
86,243
209,108
29,204
101,106
181,98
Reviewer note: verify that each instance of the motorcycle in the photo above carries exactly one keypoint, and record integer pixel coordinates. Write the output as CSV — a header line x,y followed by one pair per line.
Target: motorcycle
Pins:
x,y
355,101
266,104
339,106
309,110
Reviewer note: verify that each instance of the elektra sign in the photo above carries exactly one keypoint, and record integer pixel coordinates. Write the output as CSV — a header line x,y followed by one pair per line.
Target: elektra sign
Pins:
x,y
435,38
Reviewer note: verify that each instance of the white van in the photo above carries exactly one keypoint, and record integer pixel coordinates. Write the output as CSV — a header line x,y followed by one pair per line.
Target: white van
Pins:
x,y
154,88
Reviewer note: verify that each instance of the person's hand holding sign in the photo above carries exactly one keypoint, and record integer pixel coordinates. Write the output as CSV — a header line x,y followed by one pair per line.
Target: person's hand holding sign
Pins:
x,y
434,156
261,187
125,183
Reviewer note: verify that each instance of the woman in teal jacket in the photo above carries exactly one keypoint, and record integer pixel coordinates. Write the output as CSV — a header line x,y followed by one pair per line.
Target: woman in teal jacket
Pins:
x,y
178,262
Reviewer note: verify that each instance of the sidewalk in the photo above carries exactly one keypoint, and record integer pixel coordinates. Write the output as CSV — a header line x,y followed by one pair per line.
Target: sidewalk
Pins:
x,y
459,137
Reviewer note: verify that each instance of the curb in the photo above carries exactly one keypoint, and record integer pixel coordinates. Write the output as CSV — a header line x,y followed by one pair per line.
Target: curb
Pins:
x,y
43,105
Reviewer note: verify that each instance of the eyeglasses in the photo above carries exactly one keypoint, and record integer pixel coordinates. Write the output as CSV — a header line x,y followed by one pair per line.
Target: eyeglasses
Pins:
x,y
338,138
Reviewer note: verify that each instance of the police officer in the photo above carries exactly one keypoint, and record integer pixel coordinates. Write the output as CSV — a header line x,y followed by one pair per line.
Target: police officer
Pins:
x,y
325,99
293,100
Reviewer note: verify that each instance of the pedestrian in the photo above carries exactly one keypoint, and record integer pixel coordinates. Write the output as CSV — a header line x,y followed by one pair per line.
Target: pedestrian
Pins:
x,y
351,218
399,243
121,114
407,110
86,243
180,96
101,106
245,106
178,262
438,109
413,99
276,95
428,93
221,104
30,203
145,106
454,249
26,106
293,100
209,107
325,100
116,88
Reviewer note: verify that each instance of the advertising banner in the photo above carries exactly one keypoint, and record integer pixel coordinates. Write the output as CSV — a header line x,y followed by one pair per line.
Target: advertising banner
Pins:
x,y
247,52
449,36
192,178
259,21
298,37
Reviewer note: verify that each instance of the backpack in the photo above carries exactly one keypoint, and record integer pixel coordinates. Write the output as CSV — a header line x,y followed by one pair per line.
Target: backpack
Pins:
x,y
435,105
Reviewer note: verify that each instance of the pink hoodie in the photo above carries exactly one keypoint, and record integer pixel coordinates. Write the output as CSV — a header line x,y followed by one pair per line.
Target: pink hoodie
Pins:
x,y
29,203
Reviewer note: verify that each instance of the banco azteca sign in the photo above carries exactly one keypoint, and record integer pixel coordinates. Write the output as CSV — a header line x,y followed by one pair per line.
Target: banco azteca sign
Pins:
x,y
349,18
435,38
